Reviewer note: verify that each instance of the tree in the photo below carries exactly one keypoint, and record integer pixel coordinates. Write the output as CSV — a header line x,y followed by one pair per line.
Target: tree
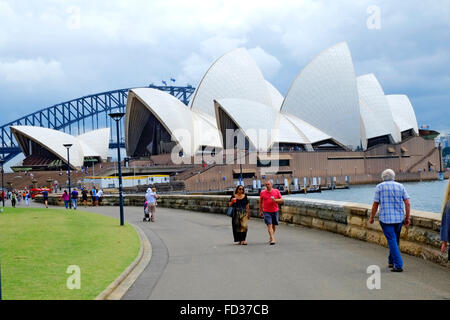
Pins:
x,y
446,151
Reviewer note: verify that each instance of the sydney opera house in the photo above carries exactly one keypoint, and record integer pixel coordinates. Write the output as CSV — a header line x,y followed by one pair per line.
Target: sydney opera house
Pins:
x,y
331,122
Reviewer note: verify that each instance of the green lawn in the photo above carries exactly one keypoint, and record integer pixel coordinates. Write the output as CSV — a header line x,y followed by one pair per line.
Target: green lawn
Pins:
x,y
38,245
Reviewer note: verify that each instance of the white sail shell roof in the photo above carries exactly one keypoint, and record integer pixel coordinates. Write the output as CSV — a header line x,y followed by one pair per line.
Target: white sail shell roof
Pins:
x,y
188,128
54,141
96,143
311,133
255,119
235,75
375,110
170,112
325,95
403,112
288,132
275,95
325,102
205,131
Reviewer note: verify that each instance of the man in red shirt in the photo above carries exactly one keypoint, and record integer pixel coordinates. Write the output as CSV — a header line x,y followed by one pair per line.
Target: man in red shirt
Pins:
x,y
268,208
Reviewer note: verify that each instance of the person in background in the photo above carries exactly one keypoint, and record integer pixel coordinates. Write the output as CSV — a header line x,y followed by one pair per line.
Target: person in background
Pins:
x,y
241,215
18,197
151,198
100,196
445,222
393,201
268,208
94,196
84,196
27,198
45,196
13,199
66,198
74,198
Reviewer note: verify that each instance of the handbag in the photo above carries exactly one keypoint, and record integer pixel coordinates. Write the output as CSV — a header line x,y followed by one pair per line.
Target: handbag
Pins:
x,y
230,211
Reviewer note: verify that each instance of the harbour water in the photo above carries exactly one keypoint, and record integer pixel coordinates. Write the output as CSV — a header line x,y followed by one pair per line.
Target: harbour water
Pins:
x,y
425,196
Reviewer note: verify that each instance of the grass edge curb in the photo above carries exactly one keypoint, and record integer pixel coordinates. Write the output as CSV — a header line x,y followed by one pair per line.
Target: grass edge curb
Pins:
x,y
117,289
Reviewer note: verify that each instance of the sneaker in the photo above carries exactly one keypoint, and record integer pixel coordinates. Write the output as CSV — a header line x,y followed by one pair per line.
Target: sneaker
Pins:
x,y
397,269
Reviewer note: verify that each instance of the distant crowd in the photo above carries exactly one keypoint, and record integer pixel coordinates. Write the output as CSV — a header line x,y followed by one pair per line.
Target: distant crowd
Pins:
x,y
17,197
91,197
71,200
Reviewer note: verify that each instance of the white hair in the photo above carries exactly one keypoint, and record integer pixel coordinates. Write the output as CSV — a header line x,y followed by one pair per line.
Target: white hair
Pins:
x,y
388,175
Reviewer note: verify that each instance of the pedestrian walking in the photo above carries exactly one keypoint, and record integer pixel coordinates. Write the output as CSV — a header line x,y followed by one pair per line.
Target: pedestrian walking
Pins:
x,y
84,196
13,199
45,196
151,198
445,222
27,198
66,198
269,200
100,196
393,203
241,215
94,196
74,198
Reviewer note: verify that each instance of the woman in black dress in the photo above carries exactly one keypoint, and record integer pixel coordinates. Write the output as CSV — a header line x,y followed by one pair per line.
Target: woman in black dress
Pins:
x,y
241,215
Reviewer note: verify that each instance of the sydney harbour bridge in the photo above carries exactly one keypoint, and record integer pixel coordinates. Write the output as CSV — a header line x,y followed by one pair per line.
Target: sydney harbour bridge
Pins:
x,y
81,115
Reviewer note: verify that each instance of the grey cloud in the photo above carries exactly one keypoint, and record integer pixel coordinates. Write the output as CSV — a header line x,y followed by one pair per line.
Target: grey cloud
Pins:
x,y
133,43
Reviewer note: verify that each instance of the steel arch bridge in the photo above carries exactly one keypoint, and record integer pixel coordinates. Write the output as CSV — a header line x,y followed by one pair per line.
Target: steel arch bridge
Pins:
x,y
80,115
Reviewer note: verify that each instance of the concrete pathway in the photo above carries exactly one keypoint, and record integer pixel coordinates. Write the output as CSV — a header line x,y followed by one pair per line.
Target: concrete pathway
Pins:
x,y
194,258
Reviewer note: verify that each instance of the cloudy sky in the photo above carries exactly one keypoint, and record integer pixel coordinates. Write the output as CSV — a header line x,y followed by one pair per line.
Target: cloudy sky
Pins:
x,y
56,50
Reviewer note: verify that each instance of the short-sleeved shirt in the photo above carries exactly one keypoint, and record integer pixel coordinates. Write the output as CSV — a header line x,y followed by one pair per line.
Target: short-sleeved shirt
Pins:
x,y
151,197
390,196
268,204
74,194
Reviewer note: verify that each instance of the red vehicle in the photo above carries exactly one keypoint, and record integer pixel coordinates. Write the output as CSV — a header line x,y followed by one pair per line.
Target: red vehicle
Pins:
x,y
36,191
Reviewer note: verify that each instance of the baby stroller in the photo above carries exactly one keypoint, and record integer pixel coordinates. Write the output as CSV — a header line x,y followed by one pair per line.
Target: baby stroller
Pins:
x,y
146,213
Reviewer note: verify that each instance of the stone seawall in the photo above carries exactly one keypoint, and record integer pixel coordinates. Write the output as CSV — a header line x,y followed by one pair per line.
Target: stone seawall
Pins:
x,y
421,239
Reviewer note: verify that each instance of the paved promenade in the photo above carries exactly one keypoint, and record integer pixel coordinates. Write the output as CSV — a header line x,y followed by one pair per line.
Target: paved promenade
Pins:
x,y
194,258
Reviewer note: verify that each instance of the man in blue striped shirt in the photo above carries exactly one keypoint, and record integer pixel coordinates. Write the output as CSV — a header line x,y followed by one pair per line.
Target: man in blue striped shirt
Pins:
x,y
392,200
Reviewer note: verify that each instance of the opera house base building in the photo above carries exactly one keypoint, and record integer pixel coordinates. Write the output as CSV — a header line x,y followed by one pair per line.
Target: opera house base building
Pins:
x,y
331,128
